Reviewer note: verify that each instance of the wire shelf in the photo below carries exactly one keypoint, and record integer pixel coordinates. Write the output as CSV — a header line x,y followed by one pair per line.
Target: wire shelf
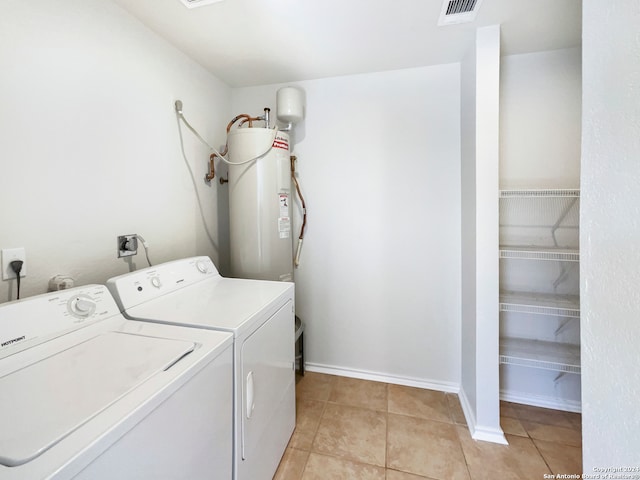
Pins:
x,y
548,218
546,193
540,304
540,253
559,357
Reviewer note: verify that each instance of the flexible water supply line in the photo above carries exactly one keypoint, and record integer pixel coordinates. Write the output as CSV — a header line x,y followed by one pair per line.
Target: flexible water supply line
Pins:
x,y
178,106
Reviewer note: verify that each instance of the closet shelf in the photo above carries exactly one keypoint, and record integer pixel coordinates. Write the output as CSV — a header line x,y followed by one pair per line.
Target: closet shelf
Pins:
x,y
540,253
540,304
559,357
529,213
540,193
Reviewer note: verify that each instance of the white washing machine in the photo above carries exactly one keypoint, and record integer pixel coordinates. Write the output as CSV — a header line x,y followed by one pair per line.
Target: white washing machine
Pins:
x,y
260,314
87,394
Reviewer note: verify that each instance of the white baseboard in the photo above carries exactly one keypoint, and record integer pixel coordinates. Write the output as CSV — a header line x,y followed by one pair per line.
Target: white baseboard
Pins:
x,y
541,401
478,432
449,387
466,409
493,435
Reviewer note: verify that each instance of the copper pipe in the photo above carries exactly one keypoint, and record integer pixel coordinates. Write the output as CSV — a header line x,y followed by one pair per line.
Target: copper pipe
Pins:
x,y
264,118
211,174
250,119
238,117
293,159
247,118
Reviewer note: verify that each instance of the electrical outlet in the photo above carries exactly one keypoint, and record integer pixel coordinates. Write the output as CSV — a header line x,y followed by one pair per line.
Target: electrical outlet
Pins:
x,y
8,256
127,245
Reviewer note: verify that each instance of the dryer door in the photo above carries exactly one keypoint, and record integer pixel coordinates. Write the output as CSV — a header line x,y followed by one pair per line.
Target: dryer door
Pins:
x,y
268,394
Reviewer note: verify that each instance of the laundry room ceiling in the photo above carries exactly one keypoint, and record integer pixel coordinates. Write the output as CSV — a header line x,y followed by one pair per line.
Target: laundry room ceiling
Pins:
x,y
258,42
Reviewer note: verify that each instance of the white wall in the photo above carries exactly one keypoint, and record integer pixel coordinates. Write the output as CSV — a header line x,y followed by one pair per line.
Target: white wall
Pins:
x,y
479,252
89,145
540,109
610,234
379,282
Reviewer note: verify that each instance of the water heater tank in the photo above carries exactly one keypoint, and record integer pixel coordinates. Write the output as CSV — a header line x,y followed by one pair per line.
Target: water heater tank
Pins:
x,y
290,105
261,241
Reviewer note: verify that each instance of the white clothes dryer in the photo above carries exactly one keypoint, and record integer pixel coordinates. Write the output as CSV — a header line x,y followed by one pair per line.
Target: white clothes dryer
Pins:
x,y
260,315
87,394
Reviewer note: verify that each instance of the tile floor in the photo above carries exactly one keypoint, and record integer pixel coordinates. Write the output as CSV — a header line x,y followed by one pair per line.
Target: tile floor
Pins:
x,y
356,429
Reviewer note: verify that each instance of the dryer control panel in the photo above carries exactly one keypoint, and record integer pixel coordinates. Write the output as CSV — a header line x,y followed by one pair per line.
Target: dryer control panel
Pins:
x,y
45,316
143,285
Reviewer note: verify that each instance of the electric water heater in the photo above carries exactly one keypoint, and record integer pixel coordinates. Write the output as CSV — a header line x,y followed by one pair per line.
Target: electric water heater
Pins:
x,y
261,240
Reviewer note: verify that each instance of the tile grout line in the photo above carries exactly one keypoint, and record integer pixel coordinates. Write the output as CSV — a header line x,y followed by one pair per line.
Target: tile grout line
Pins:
x,y
533,440
518,417
541,455
457,431
315,431
325,403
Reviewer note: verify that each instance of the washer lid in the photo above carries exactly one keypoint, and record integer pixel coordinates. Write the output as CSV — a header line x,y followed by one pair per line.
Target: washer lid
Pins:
x,y
230,304
50,397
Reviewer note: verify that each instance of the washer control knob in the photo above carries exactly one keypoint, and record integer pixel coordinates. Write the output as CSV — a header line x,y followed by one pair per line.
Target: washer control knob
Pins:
x,y
81,306
203,267
155,281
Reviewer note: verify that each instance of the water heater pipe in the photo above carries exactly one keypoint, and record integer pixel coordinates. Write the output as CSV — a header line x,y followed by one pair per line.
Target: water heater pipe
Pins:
x,y
211,173
264,117
304,210
178,108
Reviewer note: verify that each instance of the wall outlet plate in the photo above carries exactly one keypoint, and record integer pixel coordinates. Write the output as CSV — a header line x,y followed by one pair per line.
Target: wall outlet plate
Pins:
x,y
8,256
127,245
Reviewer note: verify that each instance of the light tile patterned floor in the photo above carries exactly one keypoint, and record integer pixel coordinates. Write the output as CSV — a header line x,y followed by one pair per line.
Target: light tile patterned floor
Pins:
x,y
360,430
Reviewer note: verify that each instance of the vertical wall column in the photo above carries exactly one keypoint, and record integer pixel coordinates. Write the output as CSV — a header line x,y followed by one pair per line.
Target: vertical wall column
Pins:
x,y
480,92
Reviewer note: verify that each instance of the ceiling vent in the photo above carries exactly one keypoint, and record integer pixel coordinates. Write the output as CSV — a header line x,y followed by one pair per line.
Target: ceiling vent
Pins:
x,y
458,11
198,3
